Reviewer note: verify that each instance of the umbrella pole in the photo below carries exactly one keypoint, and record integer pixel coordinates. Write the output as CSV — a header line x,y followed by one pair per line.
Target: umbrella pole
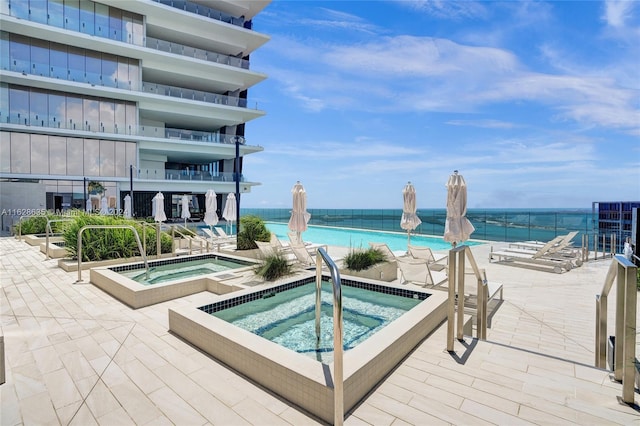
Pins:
x,y
408,240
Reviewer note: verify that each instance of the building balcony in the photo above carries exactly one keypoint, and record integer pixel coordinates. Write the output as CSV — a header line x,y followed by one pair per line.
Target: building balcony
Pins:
x,y
194,52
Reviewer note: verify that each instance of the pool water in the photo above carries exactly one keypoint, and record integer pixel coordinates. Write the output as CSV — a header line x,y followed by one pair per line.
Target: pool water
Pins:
x,y
288,317
179,270
360,238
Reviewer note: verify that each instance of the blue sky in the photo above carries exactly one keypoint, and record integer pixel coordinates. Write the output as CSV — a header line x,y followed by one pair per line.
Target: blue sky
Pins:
x,y
537,104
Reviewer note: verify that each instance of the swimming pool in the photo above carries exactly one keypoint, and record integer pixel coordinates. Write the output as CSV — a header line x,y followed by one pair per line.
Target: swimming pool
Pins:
x,y
356,238
300,379
288,318
170,278
170,270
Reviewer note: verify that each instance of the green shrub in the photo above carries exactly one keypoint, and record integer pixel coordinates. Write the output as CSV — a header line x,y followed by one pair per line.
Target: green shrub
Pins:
x,y
37,224
359,259
274,267
104,244
252,229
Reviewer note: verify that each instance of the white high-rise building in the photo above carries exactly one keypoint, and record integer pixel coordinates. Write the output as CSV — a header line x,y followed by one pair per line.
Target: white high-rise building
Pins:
x,y
96,97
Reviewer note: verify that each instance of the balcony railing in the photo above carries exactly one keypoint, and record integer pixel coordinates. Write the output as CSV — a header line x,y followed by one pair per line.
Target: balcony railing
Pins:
x,y
188,175
201,10
145,131
98,79
195,95
193,52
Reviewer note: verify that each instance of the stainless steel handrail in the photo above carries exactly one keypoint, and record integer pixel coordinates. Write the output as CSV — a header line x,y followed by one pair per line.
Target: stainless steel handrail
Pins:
x,y
48,229
338,378
624,273
135,233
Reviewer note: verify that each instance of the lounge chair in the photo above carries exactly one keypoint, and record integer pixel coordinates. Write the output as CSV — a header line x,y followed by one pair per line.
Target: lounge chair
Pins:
x,y
416,271
267,249
388,253
424,253
561,243
540,259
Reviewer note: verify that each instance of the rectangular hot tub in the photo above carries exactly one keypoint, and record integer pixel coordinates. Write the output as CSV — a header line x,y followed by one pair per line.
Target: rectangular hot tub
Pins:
x,y
298,378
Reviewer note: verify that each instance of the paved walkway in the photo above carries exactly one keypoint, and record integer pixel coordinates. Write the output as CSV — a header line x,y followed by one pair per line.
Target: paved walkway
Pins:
x,y
75,355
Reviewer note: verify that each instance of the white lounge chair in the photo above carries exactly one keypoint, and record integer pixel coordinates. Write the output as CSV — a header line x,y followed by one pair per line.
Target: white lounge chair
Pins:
x,y
540,259
424,253
416,271
267,249
388,253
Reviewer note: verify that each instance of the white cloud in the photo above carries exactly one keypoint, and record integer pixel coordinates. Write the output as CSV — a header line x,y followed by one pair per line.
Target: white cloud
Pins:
x,y
617,12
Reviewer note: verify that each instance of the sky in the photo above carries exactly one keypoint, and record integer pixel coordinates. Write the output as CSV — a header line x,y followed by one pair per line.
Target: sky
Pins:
x,y
536,104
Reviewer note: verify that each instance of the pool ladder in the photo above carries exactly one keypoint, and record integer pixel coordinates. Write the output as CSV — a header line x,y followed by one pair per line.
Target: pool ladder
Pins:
x,y
338,381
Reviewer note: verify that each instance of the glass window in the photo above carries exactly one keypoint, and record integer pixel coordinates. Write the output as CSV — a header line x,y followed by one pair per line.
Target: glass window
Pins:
x,y
123,73
120,118
38,10
58,61
107,158
5,152
127,27
74,113
132,157
40,154
86,17
20,157
107,115
20,9
132,118
4,51
93,67
138,30
58,155
56,13
72,15
115,24
18,106
20,51
75,60
134,74
38,111
122,168
75,155
57,110
39,57
91,111
109,70
91,157
102,20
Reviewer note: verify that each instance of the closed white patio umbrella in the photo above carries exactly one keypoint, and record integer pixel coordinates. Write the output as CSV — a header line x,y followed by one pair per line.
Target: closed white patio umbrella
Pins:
x,y
410,219
127,206
158,204
299,215
89,206
185,213
457,227
229,212
210,205
104,205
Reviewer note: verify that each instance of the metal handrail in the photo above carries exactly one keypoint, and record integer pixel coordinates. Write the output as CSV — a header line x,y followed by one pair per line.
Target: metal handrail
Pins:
x,y
48,229
338,380
20,227
456,275
177,229
135,233
624,272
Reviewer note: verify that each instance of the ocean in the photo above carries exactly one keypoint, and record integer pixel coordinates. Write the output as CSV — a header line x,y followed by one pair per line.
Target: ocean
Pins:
x,y
491,224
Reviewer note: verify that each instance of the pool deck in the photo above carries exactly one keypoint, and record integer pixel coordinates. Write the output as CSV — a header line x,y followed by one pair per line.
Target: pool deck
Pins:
x,y
75,355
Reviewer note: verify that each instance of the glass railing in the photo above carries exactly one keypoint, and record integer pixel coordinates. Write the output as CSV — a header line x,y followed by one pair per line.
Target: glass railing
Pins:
x,y
96,79
145,131
492,225
189,175
195,95
193,52
201,10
